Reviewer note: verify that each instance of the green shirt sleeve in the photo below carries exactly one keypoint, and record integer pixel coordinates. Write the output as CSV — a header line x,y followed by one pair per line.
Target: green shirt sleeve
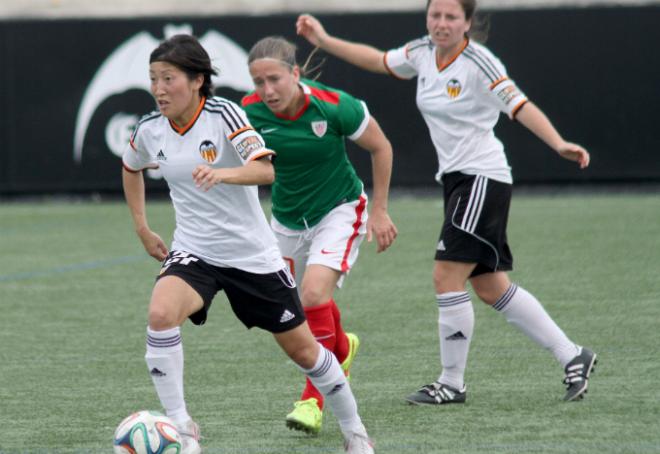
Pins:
x,y
352,115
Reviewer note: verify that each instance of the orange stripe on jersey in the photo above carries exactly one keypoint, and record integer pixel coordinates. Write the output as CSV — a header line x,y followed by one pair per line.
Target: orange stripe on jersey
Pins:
x,y
388,69
240,131
325,95
250,99
266,152
359,210
452,59
498,81
184,129
516,109
130,141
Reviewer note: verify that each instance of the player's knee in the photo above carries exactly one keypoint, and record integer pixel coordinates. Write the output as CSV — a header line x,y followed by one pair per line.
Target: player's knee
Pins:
x,y
444,283
304,356
160,318
313,296
487,295
438,282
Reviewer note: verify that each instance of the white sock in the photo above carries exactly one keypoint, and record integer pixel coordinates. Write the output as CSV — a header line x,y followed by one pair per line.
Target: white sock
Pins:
x,y
328,377
523,310
165,362
455,326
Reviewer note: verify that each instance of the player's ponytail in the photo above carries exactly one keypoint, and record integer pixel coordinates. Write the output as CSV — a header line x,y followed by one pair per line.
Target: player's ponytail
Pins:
x,y
186,53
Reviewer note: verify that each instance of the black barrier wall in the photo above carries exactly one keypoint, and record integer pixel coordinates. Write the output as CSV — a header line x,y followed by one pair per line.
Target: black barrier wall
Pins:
x,y
595,72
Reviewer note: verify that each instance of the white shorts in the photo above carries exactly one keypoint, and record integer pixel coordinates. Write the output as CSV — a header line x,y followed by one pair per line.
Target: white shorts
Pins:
x,y
334,242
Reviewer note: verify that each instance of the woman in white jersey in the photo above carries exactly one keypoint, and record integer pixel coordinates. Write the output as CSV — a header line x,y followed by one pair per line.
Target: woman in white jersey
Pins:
x,y
319,205
212,160
461,90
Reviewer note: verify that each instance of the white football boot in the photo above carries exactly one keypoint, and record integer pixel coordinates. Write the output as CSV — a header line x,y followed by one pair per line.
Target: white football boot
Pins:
x,y
359,443
189,432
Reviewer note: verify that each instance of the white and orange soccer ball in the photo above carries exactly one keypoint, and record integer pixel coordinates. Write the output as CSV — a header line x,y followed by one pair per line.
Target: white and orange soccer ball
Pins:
x,y
147,432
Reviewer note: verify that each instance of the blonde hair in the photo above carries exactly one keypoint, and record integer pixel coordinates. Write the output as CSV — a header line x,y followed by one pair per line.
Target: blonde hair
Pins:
x,y
276,48
280,49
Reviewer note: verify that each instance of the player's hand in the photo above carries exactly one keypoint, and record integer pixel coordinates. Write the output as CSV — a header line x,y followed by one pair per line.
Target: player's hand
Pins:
x,y
574,152
381,226
205,177
311,29
153,244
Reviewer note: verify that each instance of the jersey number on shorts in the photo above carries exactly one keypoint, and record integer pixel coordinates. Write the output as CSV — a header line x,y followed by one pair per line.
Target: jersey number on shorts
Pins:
x,y
182,258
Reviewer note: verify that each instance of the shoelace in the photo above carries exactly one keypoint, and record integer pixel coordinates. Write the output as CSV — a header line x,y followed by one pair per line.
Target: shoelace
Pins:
x,y
306,404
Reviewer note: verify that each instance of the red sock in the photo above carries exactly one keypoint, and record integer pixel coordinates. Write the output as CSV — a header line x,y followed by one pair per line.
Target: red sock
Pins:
x,y
321,322
341,344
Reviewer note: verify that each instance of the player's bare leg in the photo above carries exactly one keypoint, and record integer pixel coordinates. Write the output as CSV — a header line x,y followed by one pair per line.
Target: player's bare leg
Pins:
x,y
172,301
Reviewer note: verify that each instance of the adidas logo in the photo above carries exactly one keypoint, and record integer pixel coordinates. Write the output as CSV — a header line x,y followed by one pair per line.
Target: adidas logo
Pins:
x,y
336,389
458,335
157,373
161,156
441,246
286,316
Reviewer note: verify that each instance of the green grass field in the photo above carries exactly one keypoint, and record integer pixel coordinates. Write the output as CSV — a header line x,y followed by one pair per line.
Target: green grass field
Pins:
x,y
75,283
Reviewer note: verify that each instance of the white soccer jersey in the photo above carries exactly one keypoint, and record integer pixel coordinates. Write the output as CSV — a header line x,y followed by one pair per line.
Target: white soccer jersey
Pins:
x,y
461,103
224,226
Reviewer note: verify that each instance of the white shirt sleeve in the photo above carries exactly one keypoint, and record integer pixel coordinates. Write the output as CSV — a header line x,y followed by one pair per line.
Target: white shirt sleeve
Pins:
x,y
247,142
507,96
502,91
136,157
398,63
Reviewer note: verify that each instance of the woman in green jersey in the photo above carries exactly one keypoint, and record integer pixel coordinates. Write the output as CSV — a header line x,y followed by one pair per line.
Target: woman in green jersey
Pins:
x,y
319,205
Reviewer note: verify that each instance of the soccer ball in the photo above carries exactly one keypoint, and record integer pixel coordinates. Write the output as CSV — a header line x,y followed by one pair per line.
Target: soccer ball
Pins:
x,y
147,432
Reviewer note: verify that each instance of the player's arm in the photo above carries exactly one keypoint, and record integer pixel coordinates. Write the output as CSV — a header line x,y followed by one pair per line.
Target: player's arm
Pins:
x,y
133,183
361,55
379,223
538,123
255,172
250,148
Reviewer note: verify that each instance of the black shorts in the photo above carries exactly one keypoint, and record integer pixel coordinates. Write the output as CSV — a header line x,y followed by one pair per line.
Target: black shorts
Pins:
x,y
268,301
474,230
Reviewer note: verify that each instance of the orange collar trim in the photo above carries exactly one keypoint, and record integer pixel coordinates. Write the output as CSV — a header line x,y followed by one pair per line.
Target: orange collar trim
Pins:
x,y
184,129
437,57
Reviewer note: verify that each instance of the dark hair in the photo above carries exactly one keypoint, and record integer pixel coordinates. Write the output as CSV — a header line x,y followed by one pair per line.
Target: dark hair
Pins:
x,y
279,48
480,23
186,53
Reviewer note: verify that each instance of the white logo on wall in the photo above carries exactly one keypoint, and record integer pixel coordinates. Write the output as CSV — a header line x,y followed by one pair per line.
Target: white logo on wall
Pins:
x,y
127,69
118,131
